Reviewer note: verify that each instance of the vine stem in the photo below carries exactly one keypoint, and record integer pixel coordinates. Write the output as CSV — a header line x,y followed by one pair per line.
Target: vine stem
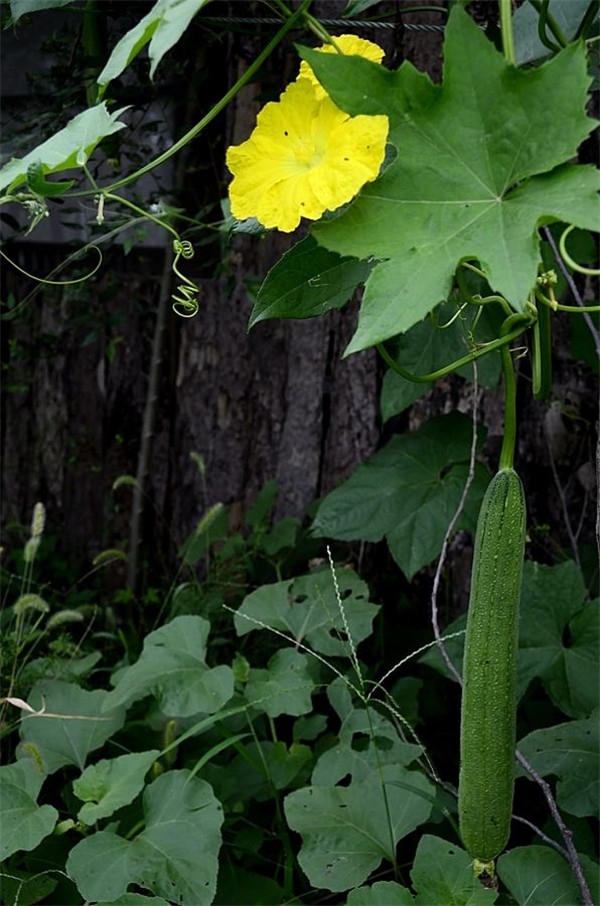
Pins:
x,y
508,44
507,452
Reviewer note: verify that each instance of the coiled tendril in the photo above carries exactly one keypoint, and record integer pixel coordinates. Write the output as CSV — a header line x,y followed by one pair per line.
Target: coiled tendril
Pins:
x,y
185,301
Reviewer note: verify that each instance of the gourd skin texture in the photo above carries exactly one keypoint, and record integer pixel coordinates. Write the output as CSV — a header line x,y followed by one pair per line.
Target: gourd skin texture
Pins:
x,y
488,715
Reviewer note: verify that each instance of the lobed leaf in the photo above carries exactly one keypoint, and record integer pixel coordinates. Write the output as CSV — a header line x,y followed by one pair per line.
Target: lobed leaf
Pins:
x,y
175,856
481,165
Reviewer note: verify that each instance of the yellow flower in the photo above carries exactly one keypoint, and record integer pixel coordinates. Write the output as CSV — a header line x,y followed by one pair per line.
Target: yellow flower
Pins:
x,y
348,44
305,157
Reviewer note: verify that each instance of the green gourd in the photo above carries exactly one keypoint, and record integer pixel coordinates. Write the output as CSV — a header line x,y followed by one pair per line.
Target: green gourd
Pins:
x,y
488,716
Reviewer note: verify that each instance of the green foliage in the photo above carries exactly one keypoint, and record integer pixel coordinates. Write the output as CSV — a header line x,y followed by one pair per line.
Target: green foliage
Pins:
x,y
174,856
308,281
68,148
443,875
342,843
163,26
306,609
567,15
537,875
108,785
486,196
20,8
559,637
427,346
224,765
407,493
569,751
72,724
24,823
172,667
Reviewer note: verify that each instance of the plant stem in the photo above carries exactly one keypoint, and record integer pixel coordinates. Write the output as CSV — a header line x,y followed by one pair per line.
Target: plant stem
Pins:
x,y
464,360
508,44
510,410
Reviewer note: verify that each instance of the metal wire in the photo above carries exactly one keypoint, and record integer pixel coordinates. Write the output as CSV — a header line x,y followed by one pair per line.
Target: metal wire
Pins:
x,y
335,23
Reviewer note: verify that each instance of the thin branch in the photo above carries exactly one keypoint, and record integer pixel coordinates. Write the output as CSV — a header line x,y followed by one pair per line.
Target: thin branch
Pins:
x,y
567,835
537,830
461,503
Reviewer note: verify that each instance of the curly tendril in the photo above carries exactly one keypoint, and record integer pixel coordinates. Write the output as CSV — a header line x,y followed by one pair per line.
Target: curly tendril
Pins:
x,y
185,301
562,244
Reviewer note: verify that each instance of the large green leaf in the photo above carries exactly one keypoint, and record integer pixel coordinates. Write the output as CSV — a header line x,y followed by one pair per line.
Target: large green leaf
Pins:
x,y
67,148
538,875
135,899
345,831
306,609
570,751
172,667
284,687
111,783
387,892
175,856
163,26
559,637
407,492
427,347
478,171
443,876
74,723
308,281
24,823
366,740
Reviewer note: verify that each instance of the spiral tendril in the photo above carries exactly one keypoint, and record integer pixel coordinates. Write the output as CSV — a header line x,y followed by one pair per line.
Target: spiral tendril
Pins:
x,y
579,268
184,299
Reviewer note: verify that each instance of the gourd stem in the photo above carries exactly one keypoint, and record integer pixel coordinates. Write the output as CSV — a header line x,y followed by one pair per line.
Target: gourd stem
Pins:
x,y
508,44
465,360
510,410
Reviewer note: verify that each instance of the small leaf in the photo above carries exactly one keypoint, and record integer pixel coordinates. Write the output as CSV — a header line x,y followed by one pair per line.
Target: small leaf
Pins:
x,y
306,282
24,823
538,875
175,856
61,150
442,874
72,726
163,26
569,751
22,889
284,687
172,667
108,785
38,184
20,8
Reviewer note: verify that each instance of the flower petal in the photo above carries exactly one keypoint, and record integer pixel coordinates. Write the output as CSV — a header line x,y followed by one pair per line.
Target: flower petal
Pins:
x,y
348,44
